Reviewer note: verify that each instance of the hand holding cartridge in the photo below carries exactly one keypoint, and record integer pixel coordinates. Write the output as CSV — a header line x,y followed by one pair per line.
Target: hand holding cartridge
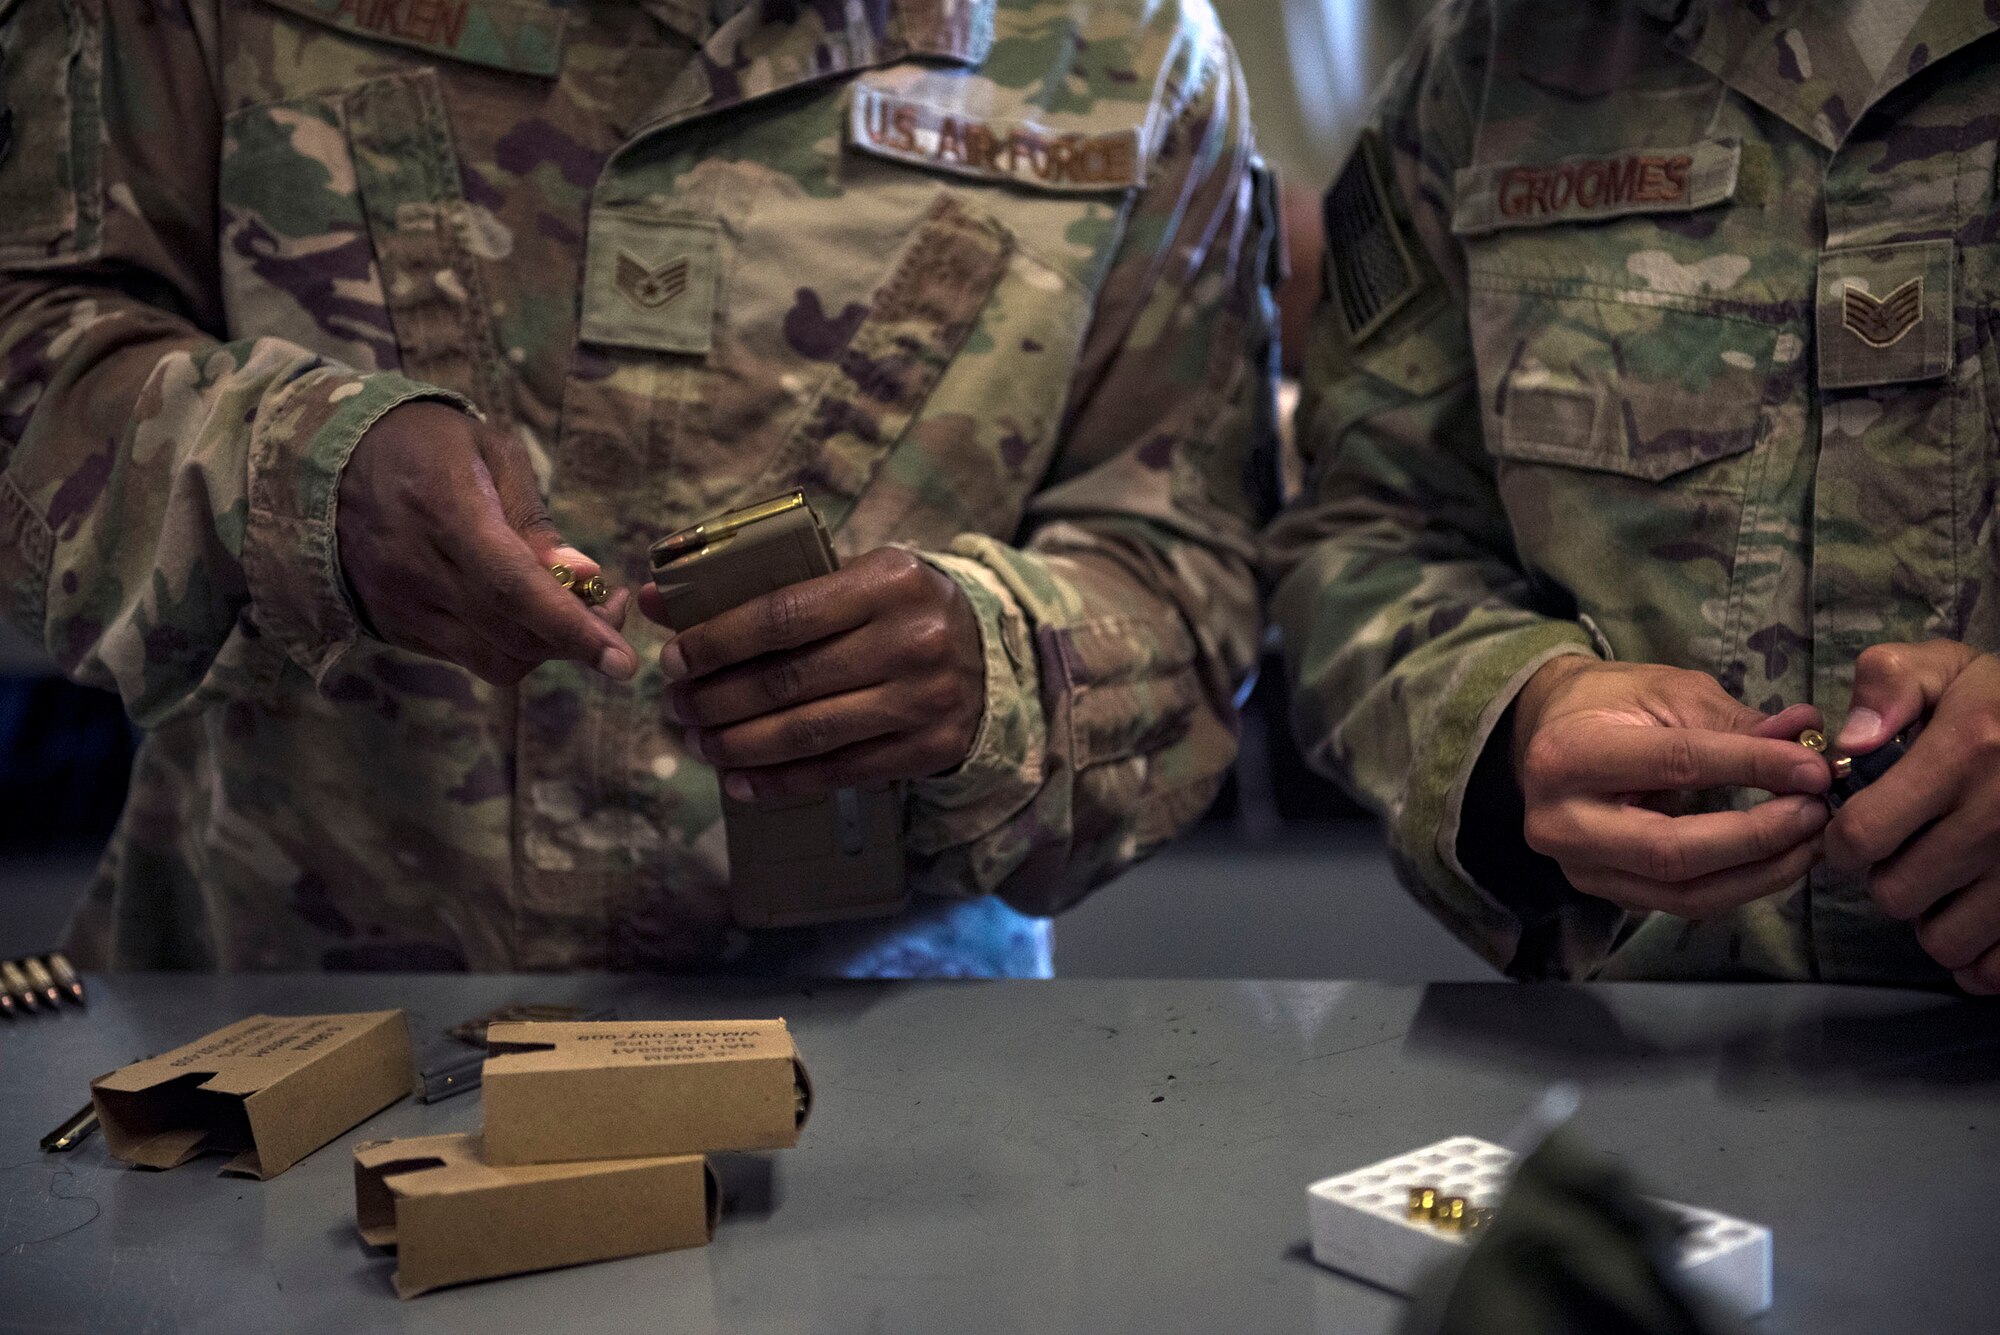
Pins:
x,y
1927,829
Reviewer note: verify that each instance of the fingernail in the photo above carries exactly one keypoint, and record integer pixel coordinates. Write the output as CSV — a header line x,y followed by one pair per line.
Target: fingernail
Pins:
x,y
673,664
617,663
1812,815
1808,772
694,739
1860,728
673,705
570,556
739,788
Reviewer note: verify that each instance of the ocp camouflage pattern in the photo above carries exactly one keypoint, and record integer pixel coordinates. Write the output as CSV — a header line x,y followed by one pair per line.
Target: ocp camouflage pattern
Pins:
x,y
1657,398
640,235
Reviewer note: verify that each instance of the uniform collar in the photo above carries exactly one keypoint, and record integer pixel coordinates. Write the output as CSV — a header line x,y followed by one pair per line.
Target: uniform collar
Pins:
x,y
1808,73
689,19
769,46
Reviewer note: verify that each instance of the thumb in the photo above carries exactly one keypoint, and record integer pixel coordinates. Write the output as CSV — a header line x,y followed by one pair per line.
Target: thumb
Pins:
x,y
1788,723
1894,685
1707,706
535,602
521,505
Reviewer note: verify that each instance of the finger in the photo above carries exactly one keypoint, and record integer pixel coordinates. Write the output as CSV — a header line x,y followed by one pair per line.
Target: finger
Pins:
x,y
1705,896
1629,759
1964,926
613,609
508,586
1879,820
801,613
804,732
786,618
867,765
651,605
850,662
1948,856
454,643
1674,849
580,565
1982,977
1893,685
1788,723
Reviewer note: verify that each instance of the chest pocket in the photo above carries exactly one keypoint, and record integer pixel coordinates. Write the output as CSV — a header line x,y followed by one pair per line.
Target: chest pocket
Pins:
x,y
344,227
728,356
1617,382
1623,421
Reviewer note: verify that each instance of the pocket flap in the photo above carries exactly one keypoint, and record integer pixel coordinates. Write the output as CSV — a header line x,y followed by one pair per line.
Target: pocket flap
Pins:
x,y
650,282
914,327
1885,314
1642,391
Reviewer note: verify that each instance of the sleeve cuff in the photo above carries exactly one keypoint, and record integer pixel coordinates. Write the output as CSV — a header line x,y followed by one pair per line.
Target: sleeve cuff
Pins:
x,y
300,441
1426,830
1003,771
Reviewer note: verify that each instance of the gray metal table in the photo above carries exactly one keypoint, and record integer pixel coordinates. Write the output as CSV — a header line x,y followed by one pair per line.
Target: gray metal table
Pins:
x,y
1070,1156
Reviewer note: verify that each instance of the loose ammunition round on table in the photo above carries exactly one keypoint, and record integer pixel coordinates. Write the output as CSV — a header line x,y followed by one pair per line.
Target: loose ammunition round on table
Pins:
x,y
44,982
1478,1217
73,1132
1451,1214
1423,1202
17,982
66,978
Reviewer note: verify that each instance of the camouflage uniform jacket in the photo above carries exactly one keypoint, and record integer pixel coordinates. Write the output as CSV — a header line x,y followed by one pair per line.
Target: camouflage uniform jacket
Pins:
x,y
1660,331
986,279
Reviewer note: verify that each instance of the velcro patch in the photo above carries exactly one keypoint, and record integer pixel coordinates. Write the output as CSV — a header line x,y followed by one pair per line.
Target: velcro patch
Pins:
x,y
1020,152
1885,314
517,35
1370,272
1584,189
650,282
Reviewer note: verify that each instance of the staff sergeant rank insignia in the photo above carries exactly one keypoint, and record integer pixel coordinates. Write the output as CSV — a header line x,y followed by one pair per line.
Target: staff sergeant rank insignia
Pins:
x,y
648,287
1884,323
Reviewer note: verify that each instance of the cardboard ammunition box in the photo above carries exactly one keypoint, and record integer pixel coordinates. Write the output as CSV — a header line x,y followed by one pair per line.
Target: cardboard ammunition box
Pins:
x,y
615,1089
272,1088
453,1217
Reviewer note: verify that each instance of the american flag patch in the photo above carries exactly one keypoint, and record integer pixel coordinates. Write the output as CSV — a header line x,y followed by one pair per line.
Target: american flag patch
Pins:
x,y
1370,274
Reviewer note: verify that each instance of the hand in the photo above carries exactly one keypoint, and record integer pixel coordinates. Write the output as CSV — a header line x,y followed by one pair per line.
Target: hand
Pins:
x,y
447,547
1592,740
862,677
1929,828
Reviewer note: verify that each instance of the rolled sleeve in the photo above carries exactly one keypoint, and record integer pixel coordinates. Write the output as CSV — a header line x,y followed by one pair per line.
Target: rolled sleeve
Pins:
x,y
1004,769
303,436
